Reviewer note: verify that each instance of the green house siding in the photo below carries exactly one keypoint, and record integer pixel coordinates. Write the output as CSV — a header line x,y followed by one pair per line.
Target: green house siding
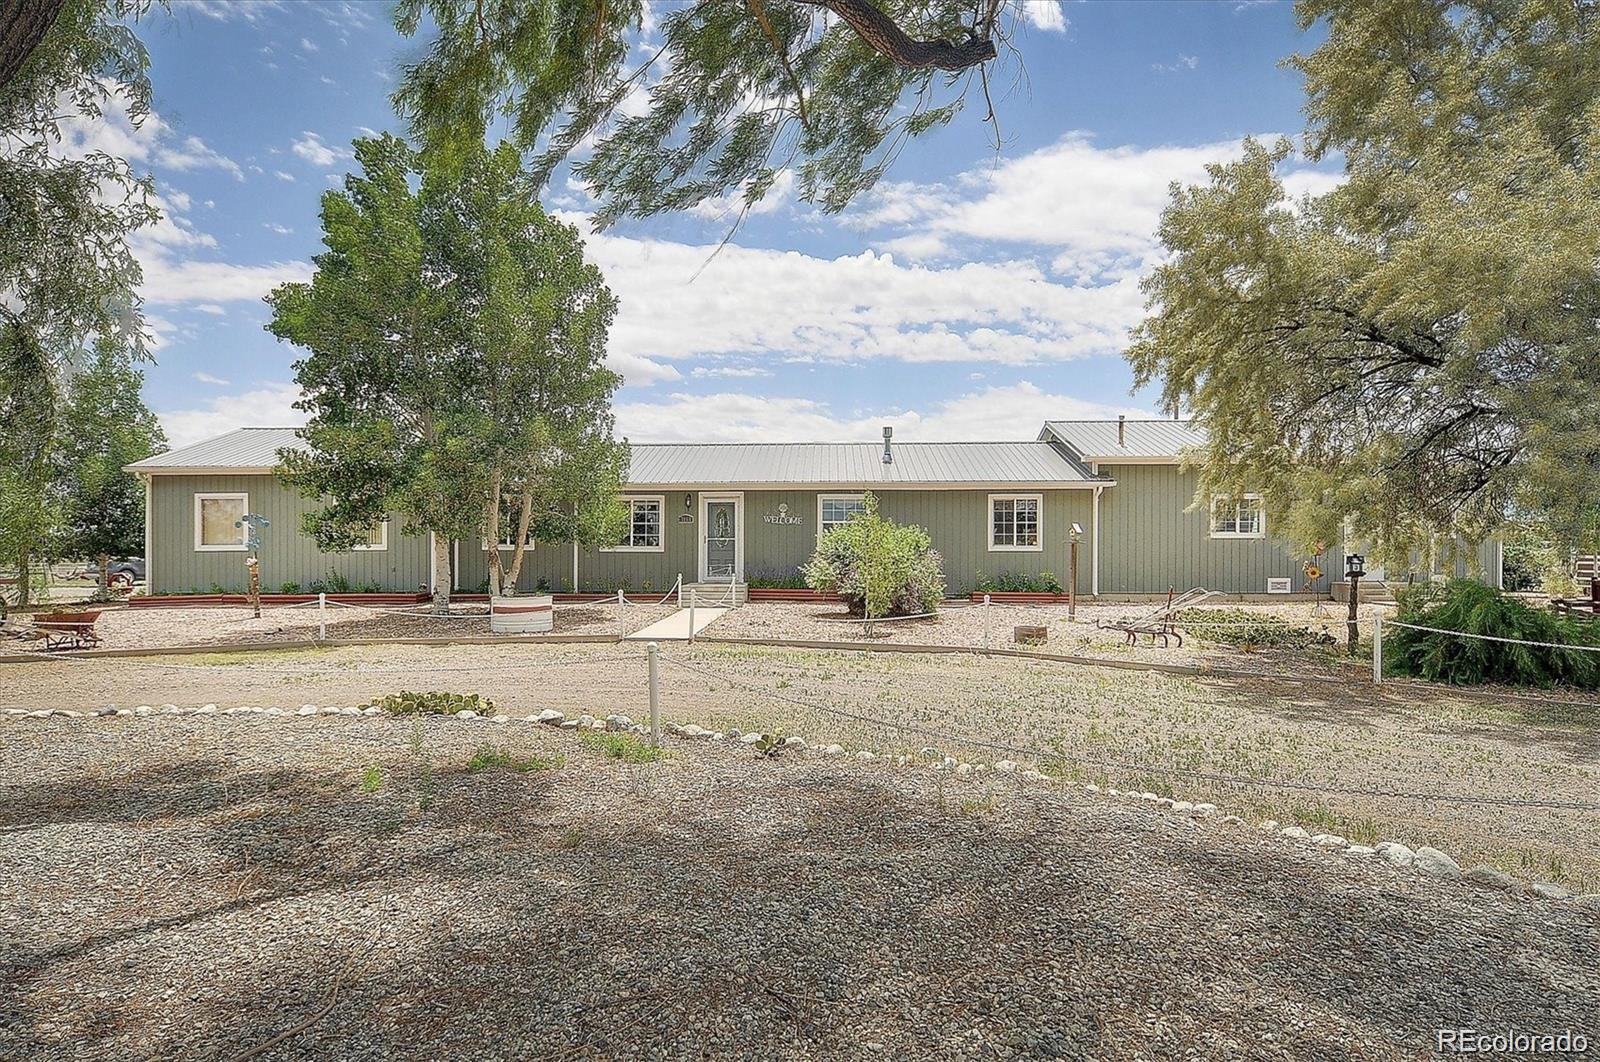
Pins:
x,y
1150,540
287,554
780,533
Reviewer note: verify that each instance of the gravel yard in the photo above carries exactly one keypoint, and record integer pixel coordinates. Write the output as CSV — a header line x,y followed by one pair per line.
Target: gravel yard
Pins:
x,y
1124,729
964,624
192,886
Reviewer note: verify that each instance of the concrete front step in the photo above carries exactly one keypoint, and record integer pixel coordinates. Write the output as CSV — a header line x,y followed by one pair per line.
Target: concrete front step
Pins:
x,y
716,594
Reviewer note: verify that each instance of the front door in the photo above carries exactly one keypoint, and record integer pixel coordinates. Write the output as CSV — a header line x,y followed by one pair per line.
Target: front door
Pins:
x,y
719,558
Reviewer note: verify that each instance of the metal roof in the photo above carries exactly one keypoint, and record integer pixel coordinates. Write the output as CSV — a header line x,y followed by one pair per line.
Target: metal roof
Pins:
x,y
727,464
915,463
1098,440
241,450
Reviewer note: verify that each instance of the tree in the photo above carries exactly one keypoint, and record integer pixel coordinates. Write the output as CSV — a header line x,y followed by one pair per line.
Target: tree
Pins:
x,y
879,568
105,427
831,88
1413,351
454,340
68,282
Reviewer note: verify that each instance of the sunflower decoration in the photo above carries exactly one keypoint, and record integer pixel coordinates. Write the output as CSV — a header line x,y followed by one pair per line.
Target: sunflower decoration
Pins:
x,y
1312,569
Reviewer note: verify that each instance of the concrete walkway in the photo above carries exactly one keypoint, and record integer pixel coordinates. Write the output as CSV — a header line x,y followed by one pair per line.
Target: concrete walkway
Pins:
x,y
675,628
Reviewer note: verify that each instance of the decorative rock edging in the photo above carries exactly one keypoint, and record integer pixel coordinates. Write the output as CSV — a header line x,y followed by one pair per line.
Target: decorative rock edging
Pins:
x,y
1424,860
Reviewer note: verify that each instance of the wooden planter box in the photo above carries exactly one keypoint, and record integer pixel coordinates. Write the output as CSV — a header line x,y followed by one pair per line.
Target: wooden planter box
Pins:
x,y
1021,597
774,593
388,600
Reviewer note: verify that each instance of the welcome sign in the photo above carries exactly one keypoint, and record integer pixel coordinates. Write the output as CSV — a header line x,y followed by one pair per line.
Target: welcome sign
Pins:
x,y
781,517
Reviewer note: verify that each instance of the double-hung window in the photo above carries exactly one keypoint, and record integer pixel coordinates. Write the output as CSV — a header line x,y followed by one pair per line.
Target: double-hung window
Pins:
x,y
835,510
510,513
1016,522
217,521
644,532
1242,517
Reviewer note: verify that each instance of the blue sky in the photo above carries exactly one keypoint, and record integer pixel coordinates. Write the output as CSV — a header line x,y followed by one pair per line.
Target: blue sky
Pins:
x,y
970,296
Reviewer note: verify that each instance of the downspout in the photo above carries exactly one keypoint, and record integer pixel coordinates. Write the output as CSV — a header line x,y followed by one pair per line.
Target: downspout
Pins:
x,y
149,499
574,547
1094,549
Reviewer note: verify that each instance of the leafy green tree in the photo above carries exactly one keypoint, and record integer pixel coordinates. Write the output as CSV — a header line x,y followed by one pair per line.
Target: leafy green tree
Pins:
x,y
833,89
1414,350
455,342
105,427
67,279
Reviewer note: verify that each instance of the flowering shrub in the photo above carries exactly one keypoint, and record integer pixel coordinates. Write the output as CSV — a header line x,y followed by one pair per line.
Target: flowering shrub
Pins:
x,y
879,568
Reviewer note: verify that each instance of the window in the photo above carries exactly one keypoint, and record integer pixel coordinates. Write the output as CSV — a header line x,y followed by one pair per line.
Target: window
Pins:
x,y
644,533
1244,518
836,509
1014,522
377,537
217,521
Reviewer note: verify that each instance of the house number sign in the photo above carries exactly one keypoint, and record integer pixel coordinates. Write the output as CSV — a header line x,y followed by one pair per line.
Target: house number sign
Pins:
x,y
781,517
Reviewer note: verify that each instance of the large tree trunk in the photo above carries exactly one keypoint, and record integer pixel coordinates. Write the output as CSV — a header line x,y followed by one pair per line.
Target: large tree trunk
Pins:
x,y
23,24
491,535
524,518
441,565
104,592
881,32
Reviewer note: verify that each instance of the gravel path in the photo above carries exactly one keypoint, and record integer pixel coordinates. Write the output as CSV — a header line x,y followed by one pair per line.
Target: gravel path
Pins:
x,y
189,886
143,628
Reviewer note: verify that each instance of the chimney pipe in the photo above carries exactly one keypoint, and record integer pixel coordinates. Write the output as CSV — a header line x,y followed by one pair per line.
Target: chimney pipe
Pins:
x,y
1122,430
888,453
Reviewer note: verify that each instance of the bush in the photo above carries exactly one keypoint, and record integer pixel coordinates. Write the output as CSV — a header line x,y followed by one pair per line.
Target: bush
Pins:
x,y
1472,608
878,567
624,747
434,702
1241,627
1020,582
289,588
775,580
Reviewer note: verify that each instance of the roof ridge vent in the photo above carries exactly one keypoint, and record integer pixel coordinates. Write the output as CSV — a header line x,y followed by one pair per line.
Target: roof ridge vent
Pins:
x,y
1122,430
888,449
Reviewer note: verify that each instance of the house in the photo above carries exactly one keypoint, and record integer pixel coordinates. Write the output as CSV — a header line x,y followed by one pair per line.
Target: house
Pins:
x,y
715,512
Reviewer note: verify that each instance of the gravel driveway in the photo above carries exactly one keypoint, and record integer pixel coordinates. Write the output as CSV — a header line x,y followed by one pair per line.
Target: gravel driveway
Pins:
x,y
190,886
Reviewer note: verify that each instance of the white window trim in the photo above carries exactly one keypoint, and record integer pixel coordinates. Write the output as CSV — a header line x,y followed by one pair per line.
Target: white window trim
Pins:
x,y
382,543
989,518
821,498
661,505
1261,524
199,523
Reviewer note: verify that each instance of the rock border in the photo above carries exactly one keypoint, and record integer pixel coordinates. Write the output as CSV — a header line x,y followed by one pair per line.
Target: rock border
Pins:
x,y
1424,860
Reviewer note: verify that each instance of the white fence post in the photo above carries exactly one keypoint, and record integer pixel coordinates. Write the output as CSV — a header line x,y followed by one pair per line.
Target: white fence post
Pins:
x,y
653,651
693,593
1377,648
986,623
678,586
322,616
621,631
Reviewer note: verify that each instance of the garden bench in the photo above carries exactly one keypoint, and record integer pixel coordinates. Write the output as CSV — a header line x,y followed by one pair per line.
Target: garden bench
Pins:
x,y
67,630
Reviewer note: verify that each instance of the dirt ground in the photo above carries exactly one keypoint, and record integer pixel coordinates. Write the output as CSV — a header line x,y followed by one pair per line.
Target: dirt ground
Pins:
x,y
1341,757
361,889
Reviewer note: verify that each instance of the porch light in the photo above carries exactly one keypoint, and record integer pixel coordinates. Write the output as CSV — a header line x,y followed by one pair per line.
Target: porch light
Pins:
x,y
688,501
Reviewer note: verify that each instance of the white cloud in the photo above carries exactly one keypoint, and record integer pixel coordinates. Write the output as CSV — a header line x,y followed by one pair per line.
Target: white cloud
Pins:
x,y
1045,15
268,405
211,308
280,175
153,143
1096,208
273,226
207,378
764,304
995,413
734,372
309,45
730,207
311,147
1177,66
229,10
168,281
